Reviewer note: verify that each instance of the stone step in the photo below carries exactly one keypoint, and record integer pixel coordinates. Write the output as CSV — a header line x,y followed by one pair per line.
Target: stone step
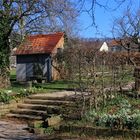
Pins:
x,y
58,98
3,112
48,109
61,96
37,106
29,112
24,116
49,102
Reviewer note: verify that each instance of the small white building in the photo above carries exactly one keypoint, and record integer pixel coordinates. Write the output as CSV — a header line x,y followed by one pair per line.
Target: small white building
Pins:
x,y
104,47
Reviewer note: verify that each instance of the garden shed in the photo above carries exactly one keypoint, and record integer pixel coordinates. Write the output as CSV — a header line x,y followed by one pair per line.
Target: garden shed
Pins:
x,y
34,57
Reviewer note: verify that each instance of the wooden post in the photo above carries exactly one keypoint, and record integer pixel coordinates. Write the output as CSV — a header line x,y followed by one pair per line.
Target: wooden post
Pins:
x,y
137,78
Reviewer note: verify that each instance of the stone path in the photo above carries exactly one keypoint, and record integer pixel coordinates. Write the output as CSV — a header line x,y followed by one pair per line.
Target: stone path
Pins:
x,y
38,105
10,130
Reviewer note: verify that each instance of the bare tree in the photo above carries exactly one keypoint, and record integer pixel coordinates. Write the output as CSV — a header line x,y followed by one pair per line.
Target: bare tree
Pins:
x,y
106,4
127,29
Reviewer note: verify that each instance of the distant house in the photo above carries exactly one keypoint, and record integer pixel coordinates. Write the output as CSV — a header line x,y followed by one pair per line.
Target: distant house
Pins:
x,y
104,47
116,46
34,57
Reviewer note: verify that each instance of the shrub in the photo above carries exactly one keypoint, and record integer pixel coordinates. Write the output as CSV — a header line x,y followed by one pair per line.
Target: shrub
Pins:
x,y
91,116
26,92
22,93
5,96
49,130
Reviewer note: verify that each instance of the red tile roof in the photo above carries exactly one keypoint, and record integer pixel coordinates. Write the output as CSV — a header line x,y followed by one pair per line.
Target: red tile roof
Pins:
x,y
38,44
115,43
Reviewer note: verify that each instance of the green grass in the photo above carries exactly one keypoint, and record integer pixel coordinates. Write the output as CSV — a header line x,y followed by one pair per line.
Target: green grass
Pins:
x,y
16,87
13,74
22,90
107,78
42,87
56,85
122,77
134,102
45,87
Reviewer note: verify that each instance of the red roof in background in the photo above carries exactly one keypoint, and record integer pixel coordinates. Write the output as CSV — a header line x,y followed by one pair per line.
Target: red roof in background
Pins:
x,y
115,43
38,44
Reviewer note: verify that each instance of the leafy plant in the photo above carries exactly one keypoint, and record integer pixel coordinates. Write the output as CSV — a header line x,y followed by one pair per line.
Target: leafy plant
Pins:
x,y
91,115
26,92
34,90
49,130
124,117
22,93
5,96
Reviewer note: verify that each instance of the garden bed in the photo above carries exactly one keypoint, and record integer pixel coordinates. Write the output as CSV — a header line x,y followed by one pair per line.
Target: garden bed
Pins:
x,y
98,131
118,117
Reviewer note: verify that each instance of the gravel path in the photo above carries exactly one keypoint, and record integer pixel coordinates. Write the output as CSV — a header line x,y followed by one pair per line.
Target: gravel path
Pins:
x,y
10,130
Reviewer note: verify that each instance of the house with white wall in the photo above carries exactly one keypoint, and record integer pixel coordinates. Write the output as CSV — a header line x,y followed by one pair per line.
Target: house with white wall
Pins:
x,y
104,47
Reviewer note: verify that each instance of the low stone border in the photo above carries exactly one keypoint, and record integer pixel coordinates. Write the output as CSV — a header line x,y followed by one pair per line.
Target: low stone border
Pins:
x,y
95,131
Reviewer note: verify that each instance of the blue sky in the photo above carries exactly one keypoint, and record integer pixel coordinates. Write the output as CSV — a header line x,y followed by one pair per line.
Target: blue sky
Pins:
x,y
103,19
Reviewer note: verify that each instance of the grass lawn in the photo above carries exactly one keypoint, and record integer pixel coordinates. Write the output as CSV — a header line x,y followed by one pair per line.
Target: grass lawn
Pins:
x,y
40,87
13,74
55,85
63,85
18,90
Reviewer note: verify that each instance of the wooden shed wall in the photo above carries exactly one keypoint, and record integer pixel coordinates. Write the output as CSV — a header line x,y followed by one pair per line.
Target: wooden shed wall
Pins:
x,y
25,66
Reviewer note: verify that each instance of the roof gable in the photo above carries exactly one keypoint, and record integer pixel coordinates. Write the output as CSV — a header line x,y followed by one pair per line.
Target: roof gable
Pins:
x,y
39,44
104,47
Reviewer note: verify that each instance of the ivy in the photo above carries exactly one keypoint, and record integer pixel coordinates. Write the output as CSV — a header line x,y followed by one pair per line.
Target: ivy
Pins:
x,y
4,51
5,96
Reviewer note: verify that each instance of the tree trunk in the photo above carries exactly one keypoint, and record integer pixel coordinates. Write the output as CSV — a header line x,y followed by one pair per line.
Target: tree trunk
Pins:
x,y
138,47
4,62
4,78
6,26
137,78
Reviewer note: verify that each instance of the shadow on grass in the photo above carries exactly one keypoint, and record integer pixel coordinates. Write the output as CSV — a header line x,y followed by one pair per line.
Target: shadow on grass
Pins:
x,y
56,85
52,86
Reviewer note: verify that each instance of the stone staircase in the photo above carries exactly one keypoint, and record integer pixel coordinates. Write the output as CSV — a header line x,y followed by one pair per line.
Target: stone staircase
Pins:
x,y
35,107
